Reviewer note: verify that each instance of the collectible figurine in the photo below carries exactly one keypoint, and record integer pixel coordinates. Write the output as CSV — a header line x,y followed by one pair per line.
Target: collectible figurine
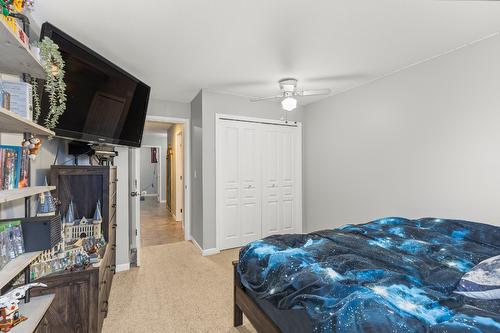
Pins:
x,y
33,144
9,306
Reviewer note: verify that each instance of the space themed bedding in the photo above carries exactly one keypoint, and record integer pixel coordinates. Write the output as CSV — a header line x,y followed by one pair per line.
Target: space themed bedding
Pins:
x,y
389,275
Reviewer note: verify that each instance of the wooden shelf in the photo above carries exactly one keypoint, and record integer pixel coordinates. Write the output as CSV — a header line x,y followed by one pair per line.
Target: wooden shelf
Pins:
x,y
16,266
19,193
16,57
34,311
11,122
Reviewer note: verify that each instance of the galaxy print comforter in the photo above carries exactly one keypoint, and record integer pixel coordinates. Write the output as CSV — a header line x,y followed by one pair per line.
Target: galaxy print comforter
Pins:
x,y
390,275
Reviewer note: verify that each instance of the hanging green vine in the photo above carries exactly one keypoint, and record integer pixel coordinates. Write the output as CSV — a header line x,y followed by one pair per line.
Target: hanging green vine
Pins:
x,y
55,87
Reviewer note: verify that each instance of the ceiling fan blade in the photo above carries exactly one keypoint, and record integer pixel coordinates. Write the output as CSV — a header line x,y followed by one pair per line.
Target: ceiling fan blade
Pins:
x,y
270,98
314,92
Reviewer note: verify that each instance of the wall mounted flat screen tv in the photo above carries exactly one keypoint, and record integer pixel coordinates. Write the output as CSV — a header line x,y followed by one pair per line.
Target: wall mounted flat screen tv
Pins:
x,y
105,104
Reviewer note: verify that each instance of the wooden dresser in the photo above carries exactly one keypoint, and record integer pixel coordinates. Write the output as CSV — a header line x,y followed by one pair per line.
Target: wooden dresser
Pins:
x,y
81,301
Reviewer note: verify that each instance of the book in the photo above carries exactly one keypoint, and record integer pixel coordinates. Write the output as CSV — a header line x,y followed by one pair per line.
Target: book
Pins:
x,y
24,174
10,166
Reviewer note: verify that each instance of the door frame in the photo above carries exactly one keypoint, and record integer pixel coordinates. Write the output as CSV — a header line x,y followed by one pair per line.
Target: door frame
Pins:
x,y
187,166
159,179
218,190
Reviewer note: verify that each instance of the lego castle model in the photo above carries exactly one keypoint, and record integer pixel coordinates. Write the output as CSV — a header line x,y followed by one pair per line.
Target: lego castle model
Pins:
x,y
75,229
46,205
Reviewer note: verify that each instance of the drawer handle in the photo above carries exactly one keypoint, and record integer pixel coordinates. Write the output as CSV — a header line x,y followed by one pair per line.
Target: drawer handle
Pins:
x,y
113,205
103,282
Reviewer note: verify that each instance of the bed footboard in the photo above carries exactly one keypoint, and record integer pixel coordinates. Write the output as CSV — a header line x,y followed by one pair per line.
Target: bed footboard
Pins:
x,y
244,304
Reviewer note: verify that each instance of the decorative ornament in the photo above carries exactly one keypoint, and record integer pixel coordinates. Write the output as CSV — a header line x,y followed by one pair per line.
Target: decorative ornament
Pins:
x,y
5,5
55,87
33,144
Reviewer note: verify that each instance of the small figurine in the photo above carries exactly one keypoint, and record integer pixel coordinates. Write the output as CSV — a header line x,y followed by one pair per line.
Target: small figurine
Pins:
x,y
9,306
33,144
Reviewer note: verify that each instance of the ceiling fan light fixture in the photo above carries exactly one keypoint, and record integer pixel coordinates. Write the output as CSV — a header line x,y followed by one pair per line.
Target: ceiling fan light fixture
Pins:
x,y
289,104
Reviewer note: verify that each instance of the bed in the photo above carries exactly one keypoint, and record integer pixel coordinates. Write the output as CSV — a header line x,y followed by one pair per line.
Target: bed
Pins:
x,y
389,275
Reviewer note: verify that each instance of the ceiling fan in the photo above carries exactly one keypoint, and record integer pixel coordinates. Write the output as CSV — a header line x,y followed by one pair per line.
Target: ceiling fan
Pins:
x,y
289,94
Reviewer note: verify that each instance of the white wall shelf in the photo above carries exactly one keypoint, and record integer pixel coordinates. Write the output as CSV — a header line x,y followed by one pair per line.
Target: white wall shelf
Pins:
x,y
25,192
16,266
16,57
13,123
34,311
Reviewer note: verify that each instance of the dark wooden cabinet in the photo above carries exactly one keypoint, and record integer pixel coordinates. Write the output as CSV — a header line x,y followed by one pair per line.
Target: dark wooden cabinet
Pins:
x,y
81,301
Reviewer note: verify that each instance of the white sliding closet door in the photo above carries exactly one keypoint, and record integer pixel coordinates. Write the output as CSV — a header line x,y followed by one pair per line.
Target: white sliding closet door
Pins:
x,y
239,159
258,181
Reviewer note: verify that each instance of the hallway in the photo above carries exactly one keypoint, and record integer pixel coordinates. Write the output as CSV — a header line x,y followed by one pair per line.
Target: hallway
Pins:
x,y
157,224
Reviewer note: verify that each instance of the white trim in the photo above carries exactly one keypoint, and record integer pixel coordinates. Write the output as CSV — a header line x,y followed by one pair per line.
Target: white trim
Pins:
x,y
122,267
210,252
150,195
163,201
187,166
207,252
218,194
218,116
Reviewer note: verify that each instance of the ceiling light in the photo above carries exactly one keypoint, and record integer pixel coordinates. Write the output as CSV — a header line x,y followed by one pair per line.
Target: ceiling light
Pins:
x,y
289,104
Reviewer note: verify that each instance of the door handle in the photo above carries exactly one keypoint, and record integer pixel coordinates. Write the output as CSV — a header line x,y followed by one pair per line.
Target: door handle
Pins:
x,y
134,194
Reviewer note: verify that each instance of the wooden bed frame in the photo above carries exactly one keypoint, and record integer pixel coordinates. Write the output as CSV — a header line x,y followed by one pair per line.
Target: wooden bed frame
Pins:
x,y
244,304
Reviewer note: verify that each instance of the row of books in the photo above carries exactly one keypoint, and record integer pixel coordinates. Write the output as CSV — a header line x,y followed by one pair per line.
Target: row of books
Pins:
x,y
14,167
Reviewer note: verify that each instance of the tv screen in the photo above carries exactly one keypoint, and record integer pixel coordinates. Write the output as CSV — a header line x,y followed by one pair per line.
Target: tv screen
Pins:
x,y
105,104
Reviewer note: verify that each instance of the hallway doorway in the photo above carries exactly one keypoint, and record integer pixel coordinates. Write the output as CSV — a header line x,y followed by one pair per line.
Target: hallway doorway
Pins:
x,y
162,188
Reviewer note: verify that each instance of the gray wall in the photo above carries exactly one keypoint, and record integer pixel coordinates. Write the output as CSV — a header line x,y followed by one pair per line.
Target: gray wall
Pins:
x,y
158,107
122,212
423,142
197,169
226,104
160,141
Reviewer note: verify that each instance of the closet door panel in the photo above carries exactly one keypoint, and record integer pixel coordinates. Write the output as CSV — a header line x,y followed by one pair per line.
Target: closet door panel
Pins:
x,y
270,192
250,196
287,180
230,212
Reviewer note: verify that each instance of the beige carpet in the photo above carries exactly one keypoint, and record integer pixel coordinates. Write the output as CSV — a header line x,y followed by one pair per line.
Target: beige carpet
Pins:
x,y
175,290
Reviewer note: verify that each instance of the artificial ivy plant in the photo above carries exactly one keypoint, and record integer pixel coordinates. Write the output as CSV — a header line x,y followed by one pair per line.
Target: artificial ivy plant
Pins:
x,y
55,87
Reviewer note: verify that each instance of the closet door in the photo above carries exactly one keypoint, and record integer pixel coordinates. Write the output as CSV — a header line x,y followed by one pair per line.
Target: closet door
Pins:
x,y
279,203
239,183
270,181
287,143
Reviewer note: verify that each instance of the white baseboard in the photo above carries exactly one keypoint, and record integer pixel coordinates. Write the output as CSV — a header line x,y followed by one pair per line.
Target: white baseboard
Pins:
x,y
163,201
122,267
207,252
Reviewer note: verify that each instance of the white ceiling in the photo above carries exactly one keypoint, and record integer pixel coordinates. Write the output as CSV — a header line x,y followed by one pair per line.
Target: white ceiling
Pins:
x,y
156,128
243,47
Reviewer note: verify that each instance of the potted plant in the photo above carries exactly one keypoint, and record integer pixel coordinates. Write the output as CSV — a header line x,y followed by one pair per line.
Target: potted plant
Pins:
x,y
55,87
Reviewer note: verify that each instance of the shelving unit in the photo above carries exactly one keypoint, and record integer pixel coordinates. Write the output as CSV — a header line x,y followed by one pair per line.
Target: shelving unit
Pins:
x,y
16,266
19,193
16,56
34,311
13,123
